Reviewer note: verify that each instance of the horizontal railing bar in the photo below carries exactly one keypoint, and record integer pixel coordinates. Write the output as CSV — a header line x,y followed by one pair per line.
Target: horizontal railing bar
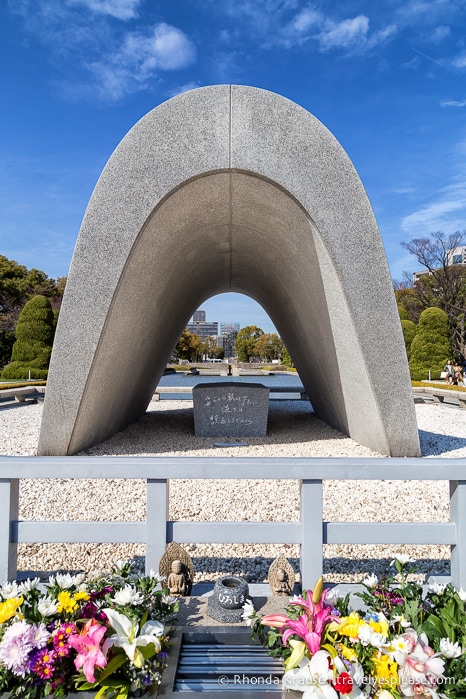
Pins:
x,y
390,533
59,532
157,467
235,532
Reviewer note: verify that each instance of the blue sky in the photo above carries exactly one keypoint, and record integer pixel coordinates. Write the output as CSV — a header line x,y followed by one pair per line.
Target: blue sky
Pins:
x,y
388,78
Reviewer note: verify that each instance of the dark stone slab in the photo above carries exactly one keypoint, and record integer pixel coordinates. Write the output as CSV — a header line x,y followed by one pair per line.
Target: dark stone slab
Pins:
x,y
230,409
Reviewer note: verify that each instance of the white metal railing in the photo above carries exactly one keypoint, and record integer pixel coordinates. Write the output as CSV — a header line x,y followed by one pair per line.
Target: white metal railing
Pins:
x,y
310,532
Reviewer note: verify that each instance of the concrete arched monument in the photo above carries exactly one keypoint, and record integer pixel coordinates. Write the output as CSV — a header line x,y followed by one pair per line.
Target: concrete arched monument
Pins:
x,y
229,188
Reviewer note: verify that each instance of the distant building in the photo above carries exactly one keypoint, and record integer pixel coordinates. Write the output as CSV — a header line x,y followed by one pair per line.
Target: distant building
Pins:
x,y
456,256
200,327
228,334
199,317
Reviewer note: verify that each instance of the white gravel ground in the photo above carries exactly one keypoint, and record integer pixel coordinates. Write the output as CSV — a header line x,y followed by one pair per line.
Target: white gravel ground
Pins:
x,y
293,430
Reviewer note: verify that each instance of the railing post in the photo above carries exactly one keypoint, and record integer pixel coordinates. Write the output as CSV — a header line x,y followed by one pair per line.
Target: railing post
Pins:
x,y
156,522
312,532
9,501
458,515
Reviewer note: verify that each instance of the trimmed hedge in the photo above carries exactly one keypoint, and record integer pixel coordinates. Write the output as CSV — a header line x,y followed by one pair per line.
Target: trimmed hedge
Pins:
x,y
431,346
34,338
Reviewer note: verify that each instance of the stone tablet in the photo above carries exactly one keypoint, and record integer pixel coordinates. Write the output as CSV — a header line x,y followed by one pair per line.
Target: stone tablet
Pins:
x,y
230,409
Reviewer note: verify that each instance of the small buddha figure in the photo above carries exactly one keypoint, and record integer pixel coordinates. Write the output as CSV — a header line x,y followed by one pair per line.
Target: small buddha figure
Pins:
x,y
281,585
176,580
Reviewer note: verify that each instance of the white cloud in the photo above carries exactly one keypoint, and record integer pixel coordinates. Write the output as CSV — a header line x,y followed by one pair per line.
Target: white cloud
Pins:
x,y
447,214
345,33
121,9
438,34
453,103
140,59
460,61
352,34
418,13
304,21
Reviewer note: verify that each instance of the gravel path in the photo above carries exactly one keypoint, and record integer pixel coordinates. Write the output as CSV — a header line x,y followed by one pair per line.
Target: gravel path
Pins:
x,y
293,430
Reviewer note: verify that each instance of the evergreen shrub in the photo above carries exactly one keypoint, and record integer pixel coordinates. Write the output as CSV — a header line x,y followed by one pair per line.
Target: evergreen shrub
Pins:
x,y
431,346
34,338
409,332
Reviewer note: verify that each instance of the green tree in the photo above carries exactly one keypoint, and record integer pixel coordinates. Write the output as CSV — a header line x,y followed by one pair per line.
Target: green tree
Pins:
x,y
431,346
210,348
17,286
409,332
189,347
268,347
286,358
245,344
410,305
34,339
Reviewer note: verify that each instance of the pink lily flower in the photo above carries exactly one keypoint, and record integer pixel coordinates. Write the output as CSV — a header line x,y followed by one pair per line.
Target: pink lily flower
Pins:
x,y
87,645
275,620
303,628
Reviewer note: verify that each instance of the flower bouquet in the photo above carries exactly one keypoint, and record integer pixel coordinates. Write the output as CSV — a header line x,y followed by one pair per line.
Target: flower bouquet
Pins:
x,y
106,635
407,642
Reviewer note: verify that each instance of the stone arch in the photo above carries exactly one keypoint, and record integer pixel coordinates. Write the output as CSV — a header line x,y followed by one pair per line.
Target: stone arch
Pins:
x,y
229,188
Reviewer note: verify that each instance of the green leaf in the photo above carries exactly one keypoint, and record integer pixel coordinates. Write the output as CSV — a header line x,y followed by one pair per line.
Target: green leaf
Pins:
x,y
116,662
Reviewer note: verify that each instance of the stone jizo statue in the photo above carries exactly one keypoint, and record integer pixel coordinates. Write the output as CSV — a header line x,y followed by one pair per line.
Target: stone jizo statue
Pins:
x,y
176,567
176,580
280,585
281,577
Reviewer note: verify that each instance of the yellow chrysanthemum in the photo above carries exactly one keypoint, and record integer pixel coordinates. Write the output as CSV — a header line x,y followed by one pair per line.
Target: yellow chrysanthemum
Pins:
x,y
348,625
347,653
386,670
82,596
379,627
66,603
9,608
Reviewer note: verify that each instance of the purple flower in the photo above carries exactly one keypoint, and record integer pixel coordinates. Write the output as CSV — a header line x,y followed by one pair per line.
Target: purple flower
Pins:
x,y
42,663
15,647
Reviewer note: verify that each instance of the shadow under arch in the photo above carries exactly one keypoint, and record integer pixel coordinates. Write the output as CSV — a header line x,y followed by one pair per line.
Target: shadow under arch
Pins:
x,y
241,229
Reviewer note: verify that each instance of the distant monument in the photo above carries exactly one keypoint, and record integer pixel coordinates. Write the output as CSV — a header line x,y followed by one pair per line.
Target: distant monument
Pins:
x,y
229,188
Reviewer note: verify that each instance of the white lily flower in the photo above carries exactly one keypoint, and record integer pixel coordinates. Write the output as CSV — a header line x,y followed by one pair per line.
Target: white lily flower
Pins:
x,y
437,588
449,649
128,595
312,677
126,635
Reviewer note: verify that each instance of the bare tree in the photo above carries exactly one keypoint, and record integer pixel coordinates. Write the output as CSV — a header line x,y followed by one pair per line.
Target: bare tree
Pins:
x,y
445,285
